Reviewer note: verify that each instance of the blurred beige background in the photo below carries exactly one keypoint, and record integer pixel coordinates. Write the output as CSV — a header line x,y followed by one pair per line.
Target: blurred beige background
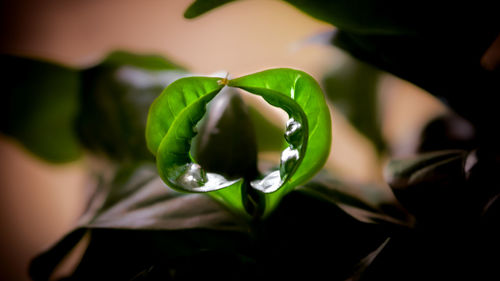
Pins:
x,y
40,202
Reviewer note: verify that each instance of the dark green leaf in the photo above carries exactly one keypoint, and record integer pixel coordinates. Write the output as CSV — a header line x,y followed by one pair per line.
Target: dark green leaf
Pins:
x,y
226,140
420,59
116,95
353,90
401,173
447,131
432,186
43,265
308,238
365,263
39,107
200,7
367,203
142,61
139,199
136,214
308,129
391,17
269,136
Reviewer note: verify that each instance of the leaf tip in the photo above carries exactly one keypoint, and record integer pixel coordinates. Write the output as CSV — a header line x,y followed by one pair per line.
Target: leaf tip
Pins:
x,y
223,81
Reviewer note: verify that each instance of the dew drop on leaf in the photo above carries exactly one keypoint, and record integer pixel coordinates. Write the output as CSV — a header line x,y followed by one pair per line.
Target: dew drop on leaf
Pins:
x,y
289,158
193,176
294,132
270,183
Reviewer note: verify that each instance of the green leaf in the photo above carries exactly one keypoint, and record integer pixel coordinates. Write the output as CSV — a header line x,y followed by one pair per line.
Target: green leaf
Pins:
x,y
175,113
39,107
116,96
353,90
170,128
308,129
199,7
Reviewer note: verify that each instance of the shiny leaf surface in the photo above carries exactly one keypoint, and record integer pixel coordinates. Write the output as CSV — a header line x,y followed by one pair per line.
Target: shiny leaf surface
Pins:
x,y
175,113
138,221
308,132
171,124
116,96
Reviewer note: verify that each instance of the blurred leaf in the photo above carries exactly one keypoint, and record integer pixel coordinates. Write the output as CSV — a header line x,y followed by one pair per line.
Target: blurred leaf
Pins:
x,y
432,186
141,229
143,61
308,130
39,107
226,141
393,37
141,220
309,238
353,90
431,53
420,59
391,17
116,95
362,16
365,263
43,265
269,136
367,203
199,7
448,131
481,167
403,172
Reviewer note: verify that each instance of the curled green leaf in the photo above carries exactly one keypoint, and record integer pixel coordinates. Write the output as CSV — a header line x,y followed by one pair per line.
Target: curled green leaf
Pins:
x,y
308,131
170,128
171,122
175,113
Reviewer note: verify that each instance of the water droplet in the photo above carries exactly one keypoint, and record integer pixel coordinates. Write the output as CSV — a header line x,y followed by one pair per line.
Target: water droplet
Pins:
x,y
270,183
293,133
192,177
289,159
